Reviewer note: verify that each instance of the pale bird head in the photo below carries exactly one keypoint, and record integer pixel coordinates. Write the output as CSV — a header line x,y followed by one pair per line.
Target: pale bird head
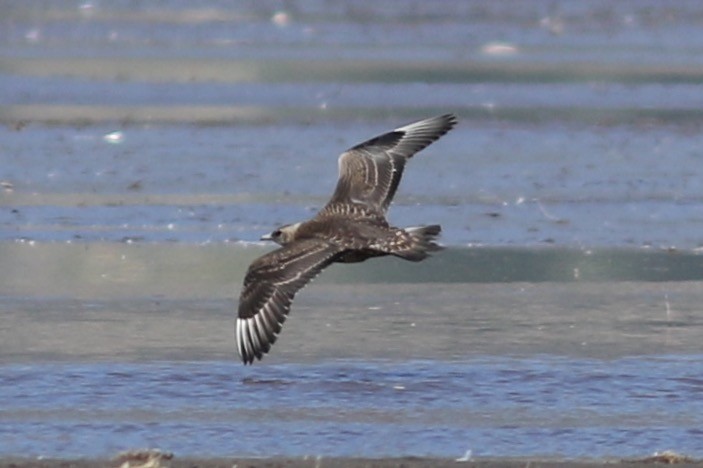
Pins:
x,y
283,235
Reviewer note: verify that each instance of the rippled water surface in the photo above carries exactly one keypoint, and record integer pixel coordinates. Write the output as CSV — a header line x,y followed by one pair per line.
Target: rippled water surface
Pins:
x,y
494,407
144,149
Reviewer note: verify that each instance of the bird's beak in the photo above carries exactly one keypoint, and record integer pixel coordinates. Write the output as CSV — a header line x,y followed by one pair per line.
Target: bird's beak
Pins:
x,y
266,237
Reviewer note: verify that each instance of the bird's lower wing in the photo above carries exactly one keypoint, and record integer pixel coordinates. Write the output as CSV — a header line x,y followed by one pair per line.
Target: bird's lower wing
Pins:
x,y
269,288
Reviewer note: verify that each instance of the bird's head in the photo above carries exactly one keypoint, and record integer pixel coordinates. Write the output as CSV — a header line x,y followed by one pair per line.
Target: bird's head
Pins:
x,y
283,235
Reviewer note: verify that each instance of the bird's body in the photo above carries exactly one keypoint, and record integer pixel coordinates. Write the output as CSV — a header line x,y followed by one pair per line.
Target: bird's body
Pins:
x,y
351,228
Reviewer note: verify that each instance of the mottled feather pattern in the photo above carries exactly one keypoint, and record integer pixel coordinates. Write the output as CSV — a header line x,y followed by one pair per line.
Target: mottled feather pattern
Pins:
x,y
412,244
352,227
269,288
370,172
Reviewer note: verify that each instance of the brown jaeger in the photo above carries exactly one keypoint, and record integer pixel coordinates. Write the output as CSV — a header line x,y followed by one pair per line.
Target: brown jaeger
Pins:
x,y
351,228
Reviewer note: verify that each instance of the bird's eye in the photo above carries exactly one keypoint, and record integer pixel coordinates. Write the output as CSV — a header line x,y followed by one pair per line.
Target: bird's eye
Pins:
x,y
276,233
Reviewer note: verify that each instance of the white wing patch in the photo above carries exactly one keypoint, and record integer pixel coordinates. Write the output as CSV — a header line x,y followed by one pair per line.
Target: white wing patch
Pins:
x,y
276,278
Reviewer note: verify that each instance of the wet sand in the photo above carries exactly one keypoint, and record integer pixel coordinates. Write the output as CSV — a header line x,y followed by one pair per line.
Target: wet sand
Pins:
x,y
592,320
408,462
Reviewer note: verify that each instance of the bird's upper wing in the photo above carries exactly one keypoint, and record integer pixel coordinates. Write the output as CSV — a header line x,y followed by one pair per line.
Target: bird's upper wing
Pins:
x,y
269,287
370,172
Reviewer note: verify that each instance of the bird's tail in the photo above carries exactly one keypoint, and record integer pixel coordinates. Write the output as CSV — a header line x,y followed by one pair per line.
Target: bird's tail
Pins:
x,y
419,242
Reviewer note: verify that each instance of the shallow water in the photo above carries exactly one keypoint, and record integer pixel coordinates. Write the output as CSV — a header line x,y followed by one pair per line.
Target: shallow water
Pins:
x,y
144,152
492,406
575,369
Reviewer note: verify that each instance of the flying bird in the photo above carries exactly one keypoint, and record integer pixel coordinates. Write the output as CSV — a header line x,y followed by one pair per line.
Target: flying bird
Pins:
x,y
351,228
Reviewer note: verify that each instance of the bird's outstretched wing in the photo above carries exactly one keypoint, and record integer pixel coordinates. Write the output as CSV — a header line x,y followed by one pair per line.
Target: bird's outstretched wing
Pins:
x,y
269,288
370,172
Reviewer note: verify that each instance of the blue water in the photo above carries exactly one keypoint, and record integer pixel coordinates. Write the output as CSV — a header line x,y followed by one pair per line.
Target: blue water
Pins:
x,y
144,149
492,406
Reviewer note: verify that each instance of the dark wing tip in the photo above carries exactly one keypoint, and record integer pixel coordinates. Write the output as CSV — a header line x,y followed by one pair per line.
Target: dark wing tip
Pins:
x,y
419,135
422,133
426,131
450,120
445,120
